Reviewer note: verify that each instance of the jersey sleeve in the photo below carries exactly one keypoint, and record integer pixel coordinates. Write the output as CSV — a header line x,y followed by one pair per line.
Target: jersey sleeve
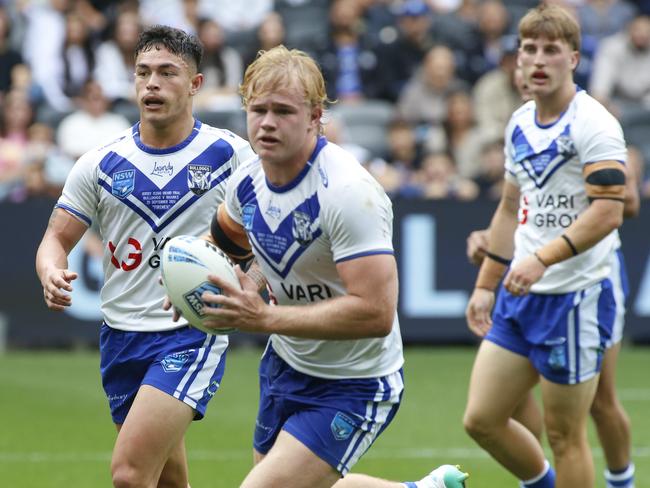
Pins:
x,y
232,188
80,196
359,221
509,153
599,136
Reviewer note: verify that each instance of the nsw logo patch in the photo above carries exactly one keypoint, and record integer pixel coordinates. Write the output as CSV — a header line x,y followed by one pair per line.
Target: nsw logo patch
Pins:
x,y
342,426
123,183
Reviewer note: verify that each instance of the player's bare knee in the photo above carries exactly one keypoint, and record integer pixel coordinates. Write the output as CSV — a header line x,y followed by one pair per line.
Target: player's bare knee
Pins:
x,y
563,438
605,402
479,427
127,476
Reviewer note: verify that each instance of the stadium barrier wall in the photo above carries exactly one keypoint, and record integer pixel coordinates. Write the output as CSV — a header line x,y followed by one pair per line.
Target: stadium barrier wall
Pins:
x,y
435,277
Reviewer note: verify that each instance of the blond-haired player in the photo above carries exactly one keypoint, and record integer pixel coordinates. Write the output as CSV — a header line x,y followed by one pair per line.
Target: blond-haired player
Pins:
x,y
320,228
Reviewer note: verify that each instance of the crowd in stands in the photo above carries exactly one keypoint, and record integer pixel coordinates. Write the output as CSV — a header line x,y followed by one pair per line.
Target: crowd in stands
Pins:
x,y
421,89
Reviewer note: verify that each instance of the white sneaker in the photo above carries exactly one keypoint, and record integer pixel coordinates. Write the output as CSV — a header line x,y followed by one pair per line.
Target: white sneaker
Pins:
x,y
446,476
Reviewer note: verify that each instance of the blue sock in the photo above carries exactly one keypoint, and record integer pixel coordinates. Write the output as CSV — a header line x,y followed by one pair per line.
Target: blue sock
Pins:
x,y
546,478
409,484
620,478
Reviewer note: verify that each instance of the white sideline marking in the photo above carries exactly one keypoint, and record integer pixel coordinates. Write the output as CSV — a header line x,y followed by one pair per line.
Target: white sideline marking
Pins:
x,y
225,455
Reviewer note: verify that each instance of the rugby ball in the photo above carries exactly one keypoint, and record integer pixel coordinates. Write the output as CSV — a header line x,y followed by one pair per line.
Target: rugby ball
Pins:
x,y
186,263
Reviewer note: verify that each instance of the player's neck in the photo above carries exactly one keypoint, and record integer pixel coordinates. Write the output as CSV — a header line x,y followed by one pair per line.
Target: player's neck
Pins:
x,y
550,108
162,136
281,173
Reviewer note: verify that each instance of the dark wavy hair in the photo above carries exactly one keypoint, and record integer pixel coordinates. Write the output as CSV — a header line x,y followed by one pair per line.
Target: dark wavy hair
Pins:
x,y
176,41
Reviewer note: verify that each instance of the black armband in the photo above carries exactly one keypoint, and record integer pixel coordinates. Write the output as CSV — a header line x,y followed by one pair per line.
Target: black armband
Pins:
x,y
606,177
498,259
574,250
226,244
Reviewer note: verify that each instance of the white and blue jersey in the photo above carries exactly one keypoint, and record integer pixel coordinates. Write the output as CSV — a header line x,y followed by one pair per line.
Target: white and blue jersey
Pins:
x,y
332,212
568,319
141,197
546,163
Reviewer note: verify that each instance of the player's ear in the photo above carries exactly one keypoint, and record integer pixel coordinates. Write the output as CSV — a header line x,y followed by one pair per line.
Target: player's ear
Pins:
x,y
195,83
575,59
316,115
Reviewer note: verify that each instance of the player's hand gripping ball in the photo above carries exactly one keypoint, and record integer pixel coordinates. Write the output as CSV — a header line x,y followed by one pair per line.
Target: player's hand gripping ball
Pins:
x,y
186,263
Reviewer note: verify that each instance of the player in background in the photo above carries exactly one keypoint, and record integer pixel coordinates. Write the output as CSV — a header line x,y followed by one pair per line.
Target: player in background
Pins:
x,y
562,198
611,419
320,228
160,179
609,415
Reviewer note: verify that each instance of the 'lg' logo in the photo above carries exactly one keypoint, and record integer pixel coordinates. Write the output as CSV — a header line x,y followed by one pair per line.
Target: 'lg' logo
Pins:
x,y
523,210
135,258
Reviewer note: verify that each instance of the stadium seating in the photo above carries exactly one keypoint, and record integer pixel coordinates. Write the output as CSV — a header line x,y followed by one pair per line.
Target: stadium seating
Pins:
x,y
366,123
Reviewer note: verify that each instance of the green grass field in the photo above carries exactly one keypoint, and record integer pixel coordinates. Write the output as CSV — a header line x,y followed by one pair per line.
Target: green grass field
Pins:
x,y
56,430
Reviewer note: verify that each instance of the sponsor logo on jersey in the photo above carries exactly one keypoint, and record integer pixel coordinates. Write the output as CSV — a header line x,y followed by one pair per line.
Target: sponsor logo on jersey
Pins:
x,y
161,169
301,228
247,214
123,183
273,212
342,426
172,363
199,177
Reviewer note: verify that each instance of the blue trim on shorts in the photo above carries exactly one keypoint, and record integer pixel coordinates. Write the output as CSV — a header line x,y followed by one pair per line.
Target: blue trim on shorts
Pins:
x,y
162,360
563,335
338,420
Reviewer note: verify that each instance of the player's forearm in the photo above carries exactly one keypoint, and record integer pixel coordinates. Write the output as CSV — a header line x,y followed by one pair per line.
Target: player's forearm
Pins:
x,y
500,244
51,254
346,317
594,224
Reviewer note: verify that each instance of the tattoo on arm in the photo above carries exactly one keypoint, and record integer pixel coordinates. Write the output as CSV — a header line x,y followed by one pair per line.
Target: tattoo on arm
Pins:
x,y
255,273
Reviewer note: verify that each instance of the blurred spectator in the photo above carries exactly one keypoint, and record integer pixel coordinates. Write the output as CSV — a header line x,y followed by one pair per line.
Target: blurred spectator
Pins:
x,y
44,39
94,13
222,70
380,20
22,81
17,116
602,18
239,16
115,63
349,63
305,23
182,14
490,179
47,167
405,158
424,99
78,56
620,77
9,57
481,49
335,131
90,125
385,174
402,56
438,179
495,94
269,34
459,136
